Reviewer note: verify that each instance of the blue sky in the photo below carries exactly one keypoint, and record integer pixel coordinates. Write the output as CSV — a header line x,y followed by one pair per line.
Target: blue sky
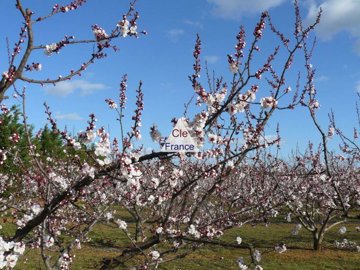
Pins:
x,y
163,58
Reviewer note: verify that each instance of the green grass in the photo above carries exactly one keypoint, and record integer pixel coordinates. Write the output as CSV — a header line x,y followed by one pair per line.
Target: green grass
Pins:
x,y
107,241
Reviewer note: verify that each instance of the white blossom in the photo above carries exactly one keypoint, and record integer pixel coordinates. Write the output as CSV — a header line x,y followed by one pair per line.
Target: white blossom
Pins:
x,y
154,255
11,260
257,255
192,231
109,216
281,248
49,49
241,264
133,29
122,224
124,27
342,230
19,248
314,104
38,67
234,68
238,240
36,209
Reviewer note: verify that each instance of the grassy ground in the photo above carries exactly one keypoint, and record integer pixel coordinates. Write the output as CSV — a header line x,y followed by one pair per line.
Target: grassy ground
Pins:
x,y
106,239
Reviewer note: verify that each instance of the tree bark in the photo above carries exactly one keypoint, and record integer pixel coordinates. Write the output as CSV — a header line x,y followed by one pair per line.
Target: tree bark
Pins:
x,y
317,240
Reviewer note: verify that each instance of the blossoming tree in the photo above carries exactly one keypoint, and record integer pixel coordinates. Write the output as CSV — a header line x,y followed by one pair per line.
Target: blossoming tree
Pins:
x,y
178,201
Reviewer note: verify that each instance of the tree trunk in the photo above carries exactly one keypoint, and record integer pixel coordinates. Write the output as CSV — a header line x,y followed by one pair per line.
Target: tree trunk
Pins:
x,y
317,240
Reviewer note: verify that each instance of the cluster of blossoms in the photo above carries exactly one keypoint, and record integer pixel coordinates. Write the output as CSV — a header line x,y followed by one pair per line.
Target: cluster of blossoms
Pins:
x,y
241,43
65,261
233,64
214,139
193,231
348,245
242,101
56,47
198,125
14,138
72,6
49,49
138,113
314,104
61,181
122,224
128,28
99,32
258,32
234,61
9,253
34,210
197,65
17,47
86,136
111,103
268,102
234,108
214,100
89,135
202,94
72,142
10,74
123,88
103,147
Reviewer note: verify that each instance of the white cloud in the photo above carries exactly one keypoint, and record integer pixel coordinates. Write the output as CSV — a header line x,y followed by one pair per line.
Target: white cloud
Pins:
x,y
174,34
68,116
211,59
337,16
66,88
235,9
